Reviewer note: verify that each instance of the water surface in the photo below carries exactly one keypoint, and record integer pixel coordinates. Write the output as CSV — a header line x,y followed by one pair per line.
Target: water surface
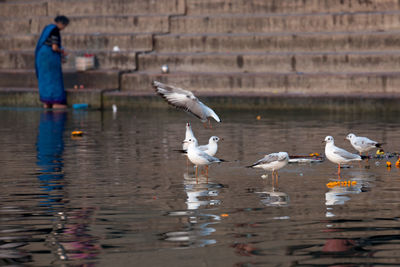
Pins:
x,y
120,195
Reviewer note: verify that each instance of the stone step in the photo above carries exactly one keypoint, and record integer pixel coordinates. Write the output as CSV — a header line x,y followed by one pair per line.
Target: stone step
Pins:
x,y
294,6
25,9
123,60
29,97
274,83
271,62
365,103
119,7
294,42
99,79
90,24
319,22
132,42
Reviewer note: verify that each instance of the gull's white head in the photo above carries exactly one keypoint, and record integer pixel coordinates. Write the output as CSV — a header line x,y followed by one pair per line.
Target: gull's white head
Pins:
x,y
283,154
350,136
190,142
329,139
213,139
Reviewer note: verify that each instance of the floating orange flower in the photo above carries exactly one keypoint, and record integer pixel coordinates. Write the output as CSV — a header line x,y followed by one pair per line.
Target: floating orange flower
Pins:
x,y
77,133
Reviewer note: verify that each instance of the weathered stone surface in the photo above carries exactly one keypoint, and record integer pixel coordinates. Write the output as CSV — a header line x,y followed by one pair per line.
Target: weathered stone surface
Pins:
x,y
271,62
252,42
91,97
99,79
19,97
103,60
245,23
29,97
121,7
293,6
23,10
308,83
311,102
116,24
131,42
90,24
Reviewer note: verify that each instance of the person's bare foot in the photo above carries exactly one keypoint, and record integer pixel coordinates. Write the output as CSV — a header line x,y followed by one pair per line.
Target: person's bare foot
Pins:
x,y
59,106
47,106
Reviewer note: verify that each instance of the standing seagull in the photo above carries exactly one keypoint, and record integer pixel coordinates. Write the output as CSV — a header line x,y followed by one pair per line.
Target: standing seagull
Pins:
x,y
362,144
199,157
338,155
186,100
272,162
188,135
212,147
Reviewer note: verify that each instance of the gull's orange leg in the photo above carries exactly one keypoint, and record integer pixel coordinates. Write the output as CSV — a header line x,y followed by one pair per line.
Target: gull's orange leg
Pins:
x,y
209,123
338,169
277,178
207,170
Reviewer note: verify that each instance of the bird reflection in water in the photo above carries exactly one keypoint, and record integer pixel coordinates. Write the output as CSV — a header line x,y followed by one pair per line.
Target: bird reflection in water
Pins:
x,y
341,193
270,196
201,198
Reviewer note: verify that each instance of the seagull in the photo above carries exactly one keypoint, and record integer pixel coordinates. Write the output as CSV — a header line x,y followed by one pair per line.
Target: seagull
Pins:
x,y
186,100
362,144
188,135
212,147
338,155
199,157
272,162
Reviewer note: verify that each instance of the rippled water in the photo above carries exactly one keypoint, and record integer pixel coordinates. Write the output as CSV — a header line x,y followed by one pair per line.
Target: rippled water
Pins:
x,y
121,196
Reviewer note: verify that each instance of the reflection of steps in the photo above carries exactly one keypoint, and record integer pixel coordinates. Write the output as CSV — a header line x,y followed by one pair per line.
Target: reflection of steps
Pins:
x,y
239,46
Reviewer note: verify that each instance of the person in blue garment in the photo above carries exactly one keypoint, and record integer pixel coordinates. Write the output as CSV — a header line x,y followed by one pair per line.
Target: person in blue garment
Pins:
x,y
49,55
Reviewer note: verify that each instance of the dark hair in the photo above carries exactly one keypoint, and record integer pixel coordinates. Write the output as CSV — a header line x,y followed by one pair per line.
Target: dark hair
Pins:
x,y
62,19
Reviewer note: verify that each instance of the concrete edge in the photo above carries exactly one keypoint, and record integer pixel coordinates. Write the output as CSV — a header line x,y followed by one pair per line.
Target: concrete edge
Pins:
x,y
105,98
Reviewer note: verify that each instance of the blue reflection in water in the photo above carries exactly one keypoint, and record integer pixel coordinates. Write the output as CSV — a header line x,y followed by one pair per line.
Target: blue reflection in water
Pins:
x,y
50,147
70,238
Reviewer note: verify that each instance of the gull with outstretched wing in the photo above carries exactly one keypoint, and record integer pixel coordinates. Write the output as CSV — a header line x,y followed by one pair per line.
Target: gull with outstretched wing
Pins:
x,y
185,100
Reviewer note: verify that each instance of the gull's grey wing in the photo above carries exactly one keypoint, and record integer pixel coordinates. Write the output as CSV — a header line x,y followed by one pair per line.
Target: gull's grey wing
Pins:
x,y
208,157
203,147
363,141
345,154
181,99
269,158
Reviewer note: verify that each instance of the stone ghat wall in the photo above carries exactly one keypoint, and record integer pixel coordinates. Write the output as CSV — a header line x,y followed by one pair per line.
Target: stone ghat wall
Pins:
x,y
332,47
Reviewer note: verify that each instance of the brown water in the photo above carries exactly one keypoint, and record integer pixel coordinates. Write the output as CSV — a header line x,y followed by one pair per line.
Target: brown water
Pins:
x,y
120,195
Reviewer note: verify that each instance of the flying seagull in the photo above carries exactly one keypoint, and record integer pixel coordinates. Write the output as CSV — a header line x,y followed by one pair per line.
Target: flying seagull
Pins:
x,y
186,100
